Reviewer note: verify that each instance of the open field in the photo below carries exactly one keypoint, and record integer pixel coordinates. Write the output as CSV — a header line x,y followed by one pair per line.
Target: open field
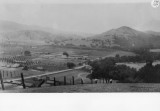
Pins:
x,y
78,51
39,50
50,58
115,87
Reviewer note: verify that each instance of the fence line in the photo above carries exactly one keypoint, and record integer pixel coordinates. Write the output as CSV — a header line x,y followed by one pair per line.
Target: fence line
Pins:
x,y
34,82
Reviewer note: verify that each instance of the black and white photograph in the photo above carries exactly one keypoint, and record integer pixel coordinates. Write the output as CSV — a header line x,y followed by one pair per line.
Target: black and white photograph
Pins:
x,y
74,46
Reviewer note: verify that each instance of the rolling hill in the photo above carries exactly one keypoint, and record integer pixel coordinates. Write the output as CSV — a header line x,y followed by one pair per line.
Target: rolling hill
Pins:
x,y
16,32
122,37
36,37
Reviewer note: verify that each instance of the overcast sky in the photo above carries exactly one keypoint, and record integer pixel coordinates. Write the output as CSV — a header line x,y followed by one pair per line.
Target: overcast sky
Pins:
x,y
86,16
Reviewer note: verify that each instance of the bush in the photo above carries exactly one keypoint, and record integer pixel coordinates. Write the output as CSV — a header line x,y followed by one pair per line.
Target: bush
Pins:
x,y
101,69
107,69
27,53
70,65
149,74
124,73
66,54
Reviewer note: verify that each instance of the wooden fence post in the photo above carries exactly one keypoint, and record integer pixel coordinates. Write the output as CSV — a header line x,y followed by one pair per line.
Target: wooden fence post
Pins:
x,y
54,81
24,86
1,81
81,81
73,80
47,78
64,80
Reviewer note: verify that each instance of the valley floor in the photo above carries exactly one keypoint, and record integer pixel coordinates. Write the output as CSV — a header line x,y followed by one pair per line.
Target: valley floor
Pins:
x,y
114,87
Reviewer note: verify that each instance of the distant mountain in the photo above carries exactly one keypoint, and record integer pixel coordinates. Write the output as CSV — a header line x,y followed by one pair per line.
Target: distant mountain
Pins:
x,y
30,36
154,39
123,37
12,31
8,26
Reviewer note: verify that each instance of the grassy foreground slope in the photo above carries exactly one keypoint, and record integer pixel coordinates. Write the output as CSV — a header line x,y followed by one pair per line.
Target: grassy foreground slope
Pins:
x,y
115,87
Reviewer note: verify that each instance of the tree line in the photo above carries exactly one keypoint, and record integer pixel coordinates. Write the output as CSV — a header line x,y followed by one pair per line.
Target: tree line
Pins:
x,y
108,69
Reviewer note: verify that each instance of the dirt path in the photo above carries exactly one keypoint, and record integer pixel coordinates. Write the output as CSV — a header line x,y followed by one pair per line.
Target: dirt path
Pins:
x,y
47,74
83,76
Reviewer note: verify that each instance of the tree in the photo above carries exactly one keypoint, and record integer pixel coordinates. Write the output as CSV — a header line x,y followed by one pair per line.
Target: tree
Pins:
x,y
27,53
70,65
149,73
124,73
102,68
117,55
66,54
107,69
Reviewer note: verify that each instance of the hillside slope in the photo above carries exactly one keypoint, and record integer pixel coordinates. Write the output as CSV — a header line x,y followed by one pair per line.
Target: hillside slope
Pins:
x,y
123,37
29,36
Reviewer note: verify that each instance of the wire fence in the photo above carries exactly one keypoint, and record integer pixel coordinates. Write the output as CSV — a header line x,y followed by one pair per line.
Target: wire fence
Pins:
x,y
46,81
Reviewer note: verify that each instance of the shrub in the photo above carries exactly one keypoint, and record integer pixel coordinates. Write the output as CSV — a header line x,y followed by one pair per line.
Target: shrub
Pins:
x,y
149,74
70,65
66,54
27,53
124,73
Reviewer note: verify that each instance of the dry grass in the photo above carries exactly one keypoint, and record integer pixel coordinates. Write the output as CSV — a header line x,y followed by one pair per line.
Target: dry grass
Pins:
x,y
115,87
